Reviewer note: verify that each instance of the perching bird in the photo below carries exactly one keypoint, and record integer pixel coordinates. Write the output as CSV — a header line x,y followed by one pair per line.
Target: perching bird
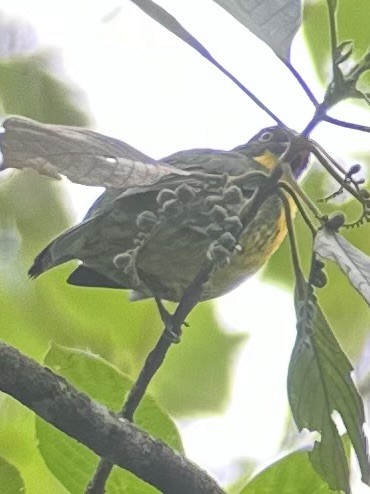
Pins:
x,y
154,239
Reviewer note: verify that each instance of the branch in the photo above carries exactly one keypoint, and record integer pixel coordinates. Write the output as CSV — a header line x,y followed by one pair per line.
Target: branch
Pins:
x,y
171,334
301,82
347,125
122,443
168,21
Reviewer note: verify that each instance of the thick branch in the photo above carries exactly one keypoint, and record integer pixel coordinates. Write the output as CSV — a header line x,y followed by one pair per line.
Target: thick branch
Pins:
x,y
92,424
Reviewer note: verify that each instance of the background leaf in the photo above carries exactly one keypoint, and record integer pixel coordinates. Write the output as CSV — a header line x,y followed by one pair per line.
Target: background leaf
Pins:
x,y
197,373
72,463
274,21
293,473
27,87
11,480
352,23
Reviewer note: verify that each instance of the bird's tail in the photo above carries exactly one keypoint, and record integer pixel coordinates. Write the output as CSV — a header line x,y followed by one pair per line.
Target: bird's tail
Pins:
x,y
57,252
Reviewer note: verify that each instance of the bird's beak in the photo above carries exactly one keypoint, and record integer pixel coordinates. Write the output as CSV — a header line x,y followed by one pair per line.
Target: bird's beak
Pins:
x,y
298,154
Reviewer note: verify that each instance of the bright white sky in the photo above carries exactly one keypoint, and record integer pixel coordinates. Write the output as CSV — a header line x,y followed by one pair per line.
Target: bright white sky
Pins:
x,y
154,92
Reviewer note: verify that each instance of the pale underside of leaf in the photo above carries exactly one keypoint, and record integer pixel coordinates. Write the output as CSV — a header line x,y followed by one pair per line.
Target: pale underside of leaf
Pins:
x,y
83,156
354,263
274,21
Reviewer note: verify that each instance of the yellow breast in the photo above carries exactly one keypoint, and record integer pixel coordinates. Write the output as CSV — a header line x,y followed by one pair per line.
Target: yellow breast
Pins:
x,y
258,242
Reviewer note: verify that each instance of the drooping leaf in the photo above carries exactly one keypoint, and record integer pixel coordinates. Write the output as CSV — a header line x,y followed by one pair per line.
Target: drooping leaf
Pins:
x,y
293,473
354,263
72,463
10,478
319,383
83,156
274,21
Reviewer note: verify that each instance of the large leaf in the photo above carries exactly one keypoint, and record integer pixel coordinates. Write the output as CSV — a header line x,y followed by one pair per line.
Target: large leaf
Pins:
x,y
291,474
72,463
354,263
319,383
274,21
11,480
83,156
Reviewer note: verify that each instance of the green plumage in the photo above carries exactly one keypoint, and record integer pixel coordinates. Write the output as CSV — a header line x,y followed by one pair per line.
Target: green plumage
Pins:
x,y
155,239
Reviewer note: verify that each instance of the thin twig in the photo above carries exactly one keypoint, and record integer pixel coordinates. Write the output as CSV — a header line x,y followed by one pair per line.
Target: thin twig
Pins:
x,y
168,21
170,334
299,205
290,180
333,38
323,161
293,244
301,82
347,125
319,116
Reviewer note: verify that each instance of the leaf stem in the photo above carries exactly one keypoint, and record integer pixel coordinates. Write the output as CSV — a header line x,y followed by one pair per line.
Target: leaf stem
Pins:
x,y
301,82
347,125
333,38
293,244
168,21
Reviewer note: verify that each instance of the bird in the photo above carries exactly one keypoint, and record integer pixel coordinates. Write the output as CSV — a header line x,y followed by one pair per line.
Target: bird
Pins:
x,y
154,239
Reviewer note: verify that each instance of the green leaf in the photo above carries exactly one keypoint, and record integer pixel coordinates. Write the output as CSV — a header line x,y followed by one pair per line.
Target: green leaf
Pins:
x,y
319,383
10,477
72,463
124,333
291,474
27,88
274,22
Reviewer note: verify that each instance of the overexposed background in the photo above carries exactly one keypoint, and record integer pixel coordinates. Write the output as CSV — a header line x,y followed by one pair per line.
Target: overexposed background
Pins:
x,y
148,88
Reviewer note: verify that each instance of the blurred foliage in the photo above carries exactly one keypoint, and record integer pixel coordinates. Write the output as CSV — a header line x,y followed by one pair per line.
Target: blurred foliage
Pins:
x,y
27,88
195,377
353,24
11,479
33,211
72,463
293,473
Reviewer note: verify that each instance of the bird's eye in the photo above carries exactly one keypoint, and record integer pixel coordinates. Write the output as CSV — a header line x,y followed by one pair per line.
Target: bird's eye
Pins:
x,y
265,136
